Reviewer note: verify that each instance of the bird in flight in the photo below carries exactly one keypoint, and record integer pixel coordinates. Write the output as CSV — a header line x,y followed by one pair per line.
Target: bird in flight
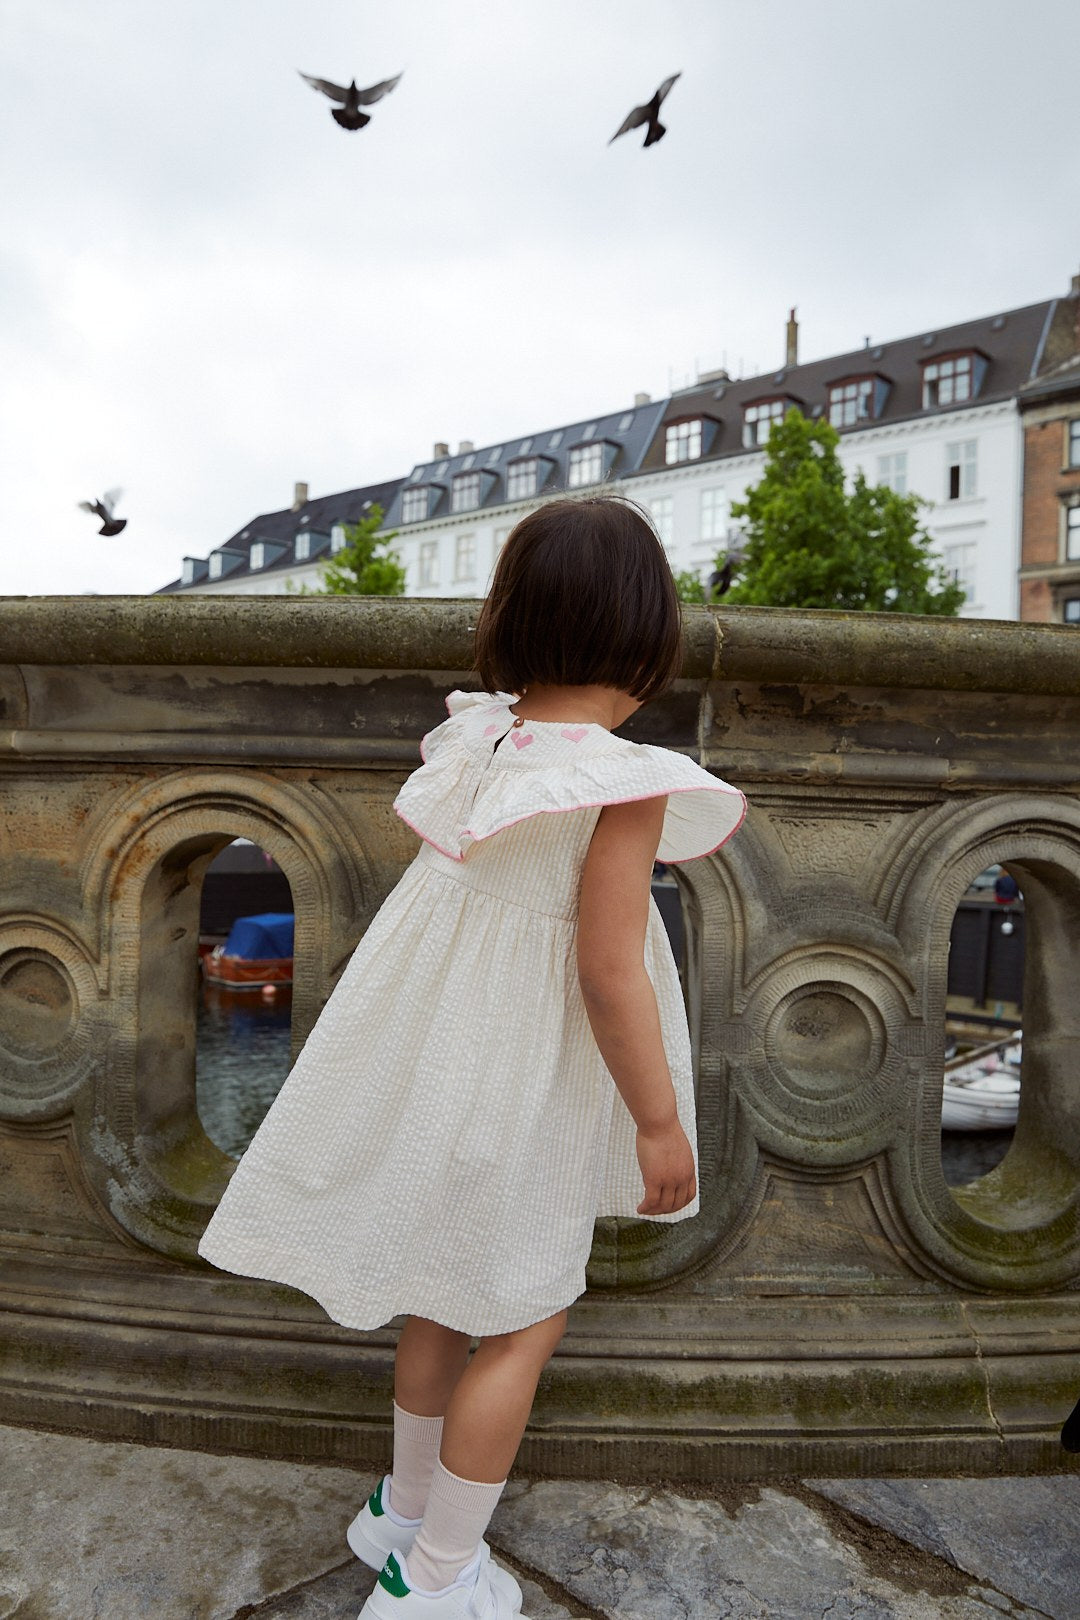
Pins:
x,y
648,114
348,115
104,510
720,579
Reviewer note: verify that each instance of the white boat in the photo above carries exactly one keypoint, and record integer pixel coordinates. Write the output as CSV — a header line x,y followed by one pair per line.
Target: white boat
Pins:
x,y
981,1090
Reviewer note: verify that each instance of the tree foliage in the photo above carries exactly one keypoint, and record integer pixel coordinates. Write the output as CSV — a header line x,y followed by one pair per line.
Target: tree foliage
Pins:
x,y
366,565
810,543
689,586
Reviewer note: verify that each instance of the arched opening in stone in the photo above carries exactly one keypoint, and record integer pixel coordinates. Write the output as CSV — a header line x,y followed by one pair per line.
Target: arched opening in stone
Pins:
x,y
244,992
183,1169
982,1079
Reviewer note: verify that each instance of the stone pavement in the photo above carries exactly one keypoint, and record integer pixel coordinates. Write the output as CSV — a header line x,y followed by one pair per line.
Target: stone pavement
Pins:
x,y
91,1530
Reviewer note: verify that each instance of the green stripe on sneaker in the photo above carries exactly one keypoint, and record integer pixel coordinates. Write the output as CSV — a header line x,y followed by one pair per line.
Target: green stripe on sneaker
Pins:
x,y
391,1579
375,1501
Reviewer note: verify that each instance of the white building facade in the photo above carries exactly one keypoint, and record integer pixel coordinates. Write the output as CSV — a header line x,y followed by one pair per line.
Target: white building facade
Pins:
x,y
933,415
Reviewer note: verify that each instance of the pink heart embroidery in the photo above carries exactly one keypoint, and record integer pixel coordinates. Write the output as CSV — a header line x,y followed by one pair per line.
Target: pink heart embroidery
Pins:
x,y
521,739
490,731
574,733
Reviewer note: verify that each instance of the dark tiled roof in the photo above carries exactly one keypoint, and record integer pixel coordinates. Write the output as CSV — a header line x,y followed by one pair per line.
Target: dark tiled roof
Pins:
x,y
1010,342
626,433
317,516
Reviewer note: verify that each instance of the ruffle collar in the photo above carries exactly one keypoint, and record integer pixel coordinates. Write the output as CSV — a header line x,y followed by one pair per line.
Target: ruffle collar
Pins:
x,y
472,784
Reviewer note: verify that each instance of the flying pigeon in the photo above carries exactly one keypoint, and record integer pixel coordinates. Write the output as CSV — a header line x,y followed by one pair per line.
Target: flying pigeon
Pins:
x,y
648,114
720,579
104,510
349,115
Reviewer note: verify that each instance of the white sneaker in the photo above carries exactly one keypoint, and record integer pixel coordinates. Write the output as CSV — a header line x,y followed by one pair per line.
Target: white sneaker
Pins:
x,y
471,1597
377,1531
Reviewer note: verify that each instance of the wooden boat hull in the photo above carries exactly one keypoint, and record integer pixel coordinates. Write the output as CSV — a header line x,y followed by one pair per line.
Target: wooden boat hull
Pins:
x,y
244,973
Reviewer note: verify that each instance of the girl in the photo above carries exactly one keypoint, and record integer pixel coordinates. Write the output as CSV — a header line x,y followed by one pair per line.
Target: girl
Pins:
x,y
506,1055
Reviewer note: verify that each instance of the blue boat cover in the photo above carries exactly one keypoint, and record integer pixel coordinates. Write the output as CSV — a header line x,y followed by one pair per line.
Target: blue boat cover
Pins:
x,y
257,938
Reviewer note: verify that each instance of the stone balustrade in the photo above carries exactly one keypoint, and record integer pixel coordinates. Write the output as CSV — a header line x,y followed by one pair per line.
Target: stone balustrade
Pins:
x,y
836,1307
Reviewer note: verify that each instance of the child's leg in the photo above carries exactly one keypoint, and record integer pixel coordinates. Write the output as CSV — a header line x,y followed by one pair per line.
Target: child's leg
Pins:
x,y
485,1420
428,1364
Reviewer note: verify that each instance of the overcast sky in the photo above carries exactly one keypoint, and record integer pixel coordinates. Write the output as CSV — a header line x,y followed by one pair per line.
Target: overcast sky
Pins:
x,y
208,290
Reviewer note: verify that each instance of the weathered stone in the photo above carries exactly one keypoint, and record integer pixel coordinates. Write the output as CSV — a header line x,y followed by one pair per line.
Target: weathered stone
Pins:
x,y
92,1531
764,1554
1021,1535
835,1308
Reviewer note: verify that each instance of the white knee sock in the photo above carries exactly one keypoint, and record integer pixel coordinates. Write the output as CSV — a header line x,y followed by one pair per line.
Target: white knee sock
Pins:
x,y
416,1451
455,1519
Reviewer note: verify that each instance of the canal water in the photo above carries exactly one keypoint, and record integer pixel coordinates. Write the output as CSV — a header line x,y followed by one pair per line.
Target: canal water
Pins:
x,y
242,1056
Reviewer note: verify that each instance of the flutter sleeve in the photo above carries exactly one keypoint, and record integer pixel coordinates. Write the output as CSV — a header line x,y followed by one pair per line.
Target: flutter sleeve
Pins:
x,y
455,801
703,810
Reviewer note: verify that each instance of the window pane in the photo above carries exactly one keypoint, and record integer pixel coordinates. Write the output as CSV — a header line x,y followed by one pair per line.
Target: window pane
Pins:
x,y
1072,531
1074,443
662,513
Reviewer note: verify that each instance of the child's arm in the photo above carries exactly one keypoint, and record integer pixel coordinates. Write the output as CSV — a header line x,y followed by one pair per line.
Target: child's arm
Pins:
x,y
613,915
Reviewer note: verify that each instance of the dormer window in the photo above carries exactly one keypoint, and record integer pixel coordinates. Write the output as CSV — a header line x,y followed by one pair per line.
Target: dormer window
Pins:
x,y
856,399
682,441
952,379
223,562
187,571
415,504
521,478
465,492
258,554
758,420
586,465
337,538
301,549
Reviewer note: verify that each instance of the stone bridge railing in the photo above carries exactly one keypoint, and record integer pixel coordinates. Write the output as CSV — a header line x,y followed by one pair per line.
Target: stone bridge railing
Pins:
x,y
836,1307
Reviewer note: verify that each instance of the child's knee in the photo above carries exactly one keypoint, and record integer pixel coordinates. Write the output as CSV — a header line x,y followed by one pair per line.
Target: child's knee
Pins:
x,y
539,1339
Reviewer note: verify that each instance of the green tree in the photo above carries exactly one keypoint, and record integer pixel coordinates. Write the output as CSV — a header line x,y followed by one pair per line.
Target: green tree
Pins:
x,y
689,586
809,543
366,565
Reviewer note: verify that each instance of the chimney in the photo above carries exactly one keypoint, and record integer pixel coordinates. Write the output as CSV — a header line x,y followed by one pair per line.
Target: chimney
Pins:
x,y
792,341
299,496
465,446
642,399
440,449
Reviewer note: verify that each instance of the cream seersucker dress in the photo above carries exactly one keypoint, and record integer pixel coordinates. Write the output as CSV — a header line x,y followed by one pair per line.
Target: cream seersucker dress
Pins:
x,y
450,1132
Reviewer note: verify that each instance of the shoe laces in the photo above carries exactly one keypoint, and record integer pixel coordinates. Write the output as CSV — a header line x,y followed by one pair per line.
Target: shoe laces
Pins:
x,y
483,1602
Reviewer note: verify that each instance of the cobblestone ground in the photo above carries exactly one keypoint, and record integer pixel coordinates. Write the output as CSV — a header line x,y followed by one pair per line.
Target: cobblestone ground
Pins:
x,y
95,1531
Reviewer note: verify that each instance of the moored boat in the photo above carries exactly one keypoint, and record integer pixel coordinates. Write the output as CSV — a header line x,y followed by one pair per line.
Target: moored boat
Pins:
x,y
981,1090
257,952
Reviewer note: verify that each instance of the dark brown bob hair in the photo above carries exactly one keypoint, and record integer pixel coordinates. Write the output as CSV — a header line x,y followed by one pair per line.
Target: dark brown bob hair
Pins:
x,y
582,595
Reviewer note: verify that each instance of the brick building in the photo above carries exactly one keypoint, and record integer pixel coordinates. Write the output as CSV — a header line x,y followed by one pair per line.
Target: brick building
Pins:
x,y
1050,528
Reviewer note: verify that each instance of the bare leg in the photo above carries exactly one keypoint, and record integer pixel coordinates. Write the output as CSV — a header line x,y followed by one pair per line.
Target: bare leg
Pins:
x,y
487,1412
429,1361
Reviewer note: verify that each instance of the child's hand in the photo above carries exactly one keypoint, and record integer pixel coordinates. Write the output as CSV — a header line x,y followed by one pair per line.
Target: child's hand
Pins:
x,y
667,1169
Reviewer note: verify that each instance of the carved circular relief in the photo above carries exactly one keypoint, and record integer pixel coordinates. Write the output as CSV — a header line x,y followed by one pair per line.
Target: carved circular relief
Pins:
x,y
38,1004
50,1035
828,1061
822,1040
